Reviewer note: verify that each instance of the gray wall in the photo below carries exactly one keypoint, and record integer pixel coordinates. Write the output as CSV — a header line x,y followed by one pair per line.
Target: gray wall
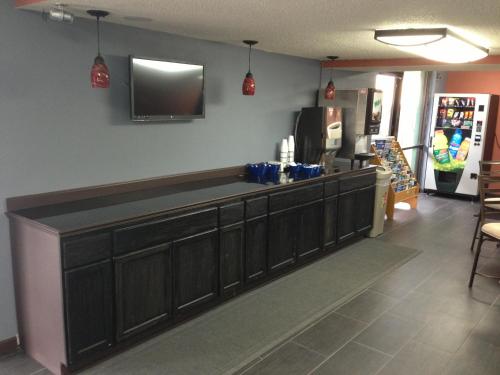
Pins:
x,y
348,79
56,132
440,82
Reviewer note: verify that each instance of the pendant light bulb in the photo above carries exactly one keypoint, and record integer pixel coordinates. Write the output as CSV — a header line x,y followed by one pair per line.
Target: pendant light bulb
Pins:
x,y
330,89
99,74
248,87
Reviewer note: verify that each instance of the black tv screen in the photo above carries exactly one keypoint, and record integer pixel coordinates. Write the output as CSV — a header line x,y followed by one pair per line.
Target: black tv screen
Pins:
x,y
166,90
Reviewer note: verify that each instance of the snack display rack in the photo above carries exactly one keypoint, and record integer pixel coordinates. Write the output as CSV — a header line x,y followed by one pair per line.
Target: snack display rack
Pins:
x,y
403,187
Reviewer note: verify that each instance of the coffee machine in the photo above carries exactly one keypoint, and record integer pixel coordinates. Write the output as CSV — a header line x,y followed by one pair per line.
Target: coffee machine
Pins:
x,y
318,135
362,112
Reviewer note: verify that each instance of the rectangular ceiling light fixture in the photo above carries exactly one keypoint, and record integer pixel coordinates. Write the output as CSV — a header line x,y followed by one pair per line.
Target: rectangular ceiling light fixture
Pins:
x,y
439,44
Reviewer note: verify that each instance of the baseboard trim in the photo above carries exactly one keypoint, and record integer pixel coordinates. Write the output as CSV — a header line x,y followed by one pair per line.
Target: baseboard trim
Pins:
x,y
8,346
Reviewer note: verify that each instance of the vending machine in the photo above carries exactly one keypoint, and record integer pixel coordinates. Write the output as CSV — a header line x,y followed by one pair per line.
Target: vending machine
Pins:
x,y
462,133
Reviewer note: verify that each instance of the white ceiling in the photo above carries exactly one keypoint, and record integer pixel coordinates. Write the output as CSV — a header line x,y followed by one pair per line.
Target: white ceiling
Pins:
x,y
312,29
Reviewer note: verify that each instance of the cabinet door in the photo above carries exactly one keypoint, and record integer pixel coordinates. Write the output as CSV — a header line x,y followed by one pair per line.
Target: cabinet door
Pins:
x,y
282,239
330,223
196,271
255,248
310,227
232,241
364,208
143,289
346,216
88,303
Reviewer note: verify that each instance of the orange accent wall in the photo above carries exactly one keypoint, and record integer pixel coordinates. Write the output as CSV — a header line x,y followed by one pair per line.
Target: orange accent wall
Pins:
x,y
20,3
480,83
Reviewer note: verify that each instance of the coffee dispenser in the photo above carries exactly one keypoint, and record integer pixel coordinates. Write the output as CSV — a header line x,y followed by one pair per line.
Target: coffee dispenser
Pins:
x,y
362,112
318,135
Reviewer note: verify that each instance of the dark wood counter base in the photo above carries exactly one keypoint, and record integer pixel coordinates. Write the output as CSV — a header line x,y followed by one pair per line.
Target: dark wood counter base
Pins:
x,y
119,283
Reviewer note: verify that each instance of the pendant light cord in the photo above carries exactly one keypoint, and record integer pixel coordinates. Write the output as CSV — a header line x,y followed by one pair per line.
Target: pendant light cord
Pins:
x,y
98,36
249,53
320,75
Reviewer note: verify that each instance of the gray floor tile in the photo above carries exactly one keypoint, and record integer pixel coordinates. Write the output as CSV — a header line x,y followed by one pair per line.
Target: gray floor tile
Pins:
x,y
18,364
464,306
43,371
290,359
488,329
442,284
367,306
329,334
475,357
389,333
353,359
406,278
445,332
417,359
418,306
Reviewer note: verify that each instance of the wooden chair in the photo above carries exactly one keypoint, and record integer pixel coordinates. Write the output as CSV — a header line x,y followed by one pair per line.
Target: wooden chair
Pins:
x,y
489,168
489,191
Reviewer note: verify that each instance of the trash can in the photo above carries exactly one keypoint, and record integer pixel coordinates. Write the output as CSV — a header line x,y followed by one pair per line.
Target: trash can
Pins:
x,y
381,188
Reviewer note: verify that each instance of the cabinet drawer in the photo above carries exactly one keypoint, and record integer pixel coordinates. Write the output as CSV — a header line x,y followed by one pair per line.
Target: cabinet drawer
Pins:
x,y
231,213
352,183
256,207
152,233
87,249
295,197
331,188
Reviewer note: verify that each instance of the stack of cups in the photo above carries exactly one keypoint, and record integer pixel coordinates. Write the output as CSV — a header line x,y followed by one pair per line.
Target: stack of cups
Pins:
x,y
291,149
284,153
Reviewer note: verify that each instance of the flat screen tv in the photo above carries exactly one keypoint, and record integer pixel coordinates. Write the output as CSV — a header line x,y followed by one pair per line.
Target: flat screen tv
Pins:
x,y
166,90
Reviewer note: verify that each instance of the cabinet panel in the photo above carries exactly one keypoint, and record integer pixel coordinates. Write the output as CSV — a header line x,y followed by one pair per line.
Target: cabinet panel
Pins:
x,y
346,216
364,208
331,188
330,222
351,183
231,213
161,231
143,287
86,249
309,230
282,244
88,301
295,197
232,241
196,270
256,207
255,248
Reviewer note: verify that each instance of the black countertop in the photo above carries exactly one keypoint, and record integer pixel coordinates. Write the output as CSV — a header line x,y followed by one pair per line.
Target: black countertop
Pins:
x,y
86,214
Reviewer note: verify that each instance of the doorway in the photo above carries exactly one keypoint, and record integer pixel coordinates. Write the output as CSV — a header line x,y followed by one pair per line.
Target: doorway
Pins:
x,y
403,112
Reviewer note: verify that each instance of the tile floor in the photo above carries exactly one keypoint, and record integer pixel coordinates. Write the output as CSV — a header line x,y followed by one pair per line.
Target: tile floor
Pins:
x,y
420,319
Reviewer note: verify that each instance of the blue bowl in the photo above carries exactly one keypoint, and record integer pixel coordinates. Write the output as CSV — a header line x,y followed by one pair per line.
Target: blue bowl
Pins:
x,y
295,171
308,171
273,172
257,172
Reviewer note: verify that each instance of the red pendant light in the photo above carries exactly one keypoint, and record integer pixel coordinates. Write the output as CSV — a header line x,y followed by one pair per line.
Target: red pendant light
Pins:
x,y
330,87
248,87
99,75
